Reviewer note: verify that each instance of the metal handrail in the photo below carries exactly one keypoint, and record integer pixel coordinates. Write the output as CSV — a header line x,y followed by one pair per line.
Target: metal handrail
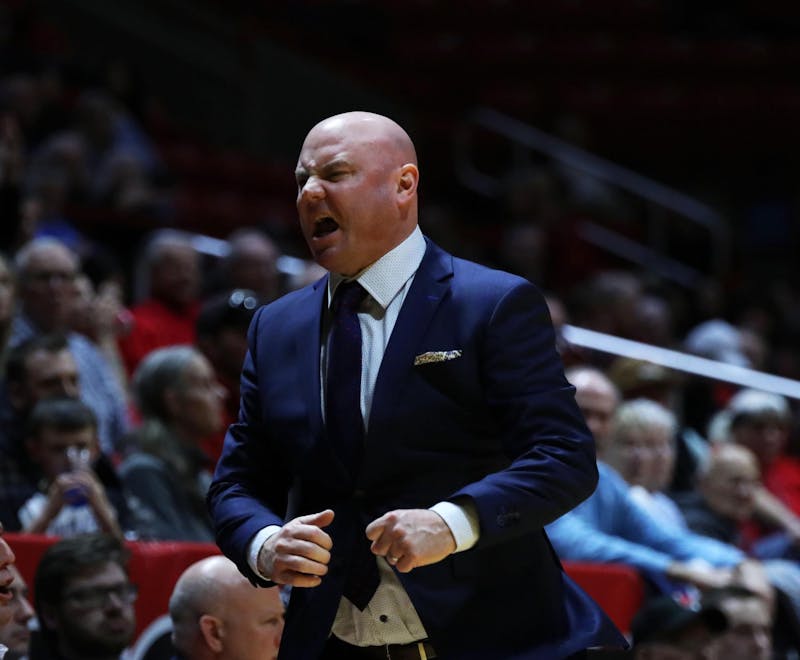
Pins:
x,y
525,138
678,361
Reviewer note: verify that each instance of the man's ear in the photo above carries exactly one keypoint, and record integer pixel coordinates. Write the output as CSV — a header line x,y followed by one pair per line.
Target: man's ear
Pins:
x,y
408,182
212,630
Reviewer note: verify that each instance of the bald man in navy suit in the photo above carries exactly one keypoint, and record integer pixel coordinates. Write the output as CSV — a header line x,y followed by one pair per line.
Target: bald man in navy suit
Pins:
x,y
404,496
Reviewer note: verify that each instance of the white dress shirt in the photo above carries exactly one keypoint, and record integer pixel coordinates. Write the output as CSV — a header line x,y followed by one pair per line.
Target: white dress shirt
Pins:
x,y
389,618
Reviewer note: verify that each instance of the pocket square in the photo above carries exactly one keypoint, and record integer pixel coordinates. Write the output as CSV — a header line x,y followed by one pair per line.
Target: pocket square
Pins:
x,y
436,356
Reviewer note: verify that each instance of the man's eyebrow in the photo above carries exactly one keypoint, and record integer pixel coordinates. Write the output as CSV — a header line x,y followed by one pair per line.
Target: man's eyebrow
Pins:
x,y
336,162
324,167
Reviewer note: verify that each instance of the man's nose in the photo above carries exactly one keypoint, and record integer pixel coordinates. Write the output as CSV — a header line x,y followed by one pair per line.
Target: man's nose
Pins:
x,y
312,189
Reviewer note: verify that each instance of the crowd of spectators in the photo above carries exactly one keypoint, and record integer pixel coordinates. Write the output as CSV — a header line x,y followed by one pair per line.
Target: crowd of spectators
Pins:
x,y
119,373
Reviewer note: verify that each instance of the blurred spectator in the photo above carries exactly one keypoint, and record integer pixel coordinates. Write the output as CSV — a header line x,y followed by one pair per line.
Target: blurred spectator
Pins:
x,y
750,622
167,287
62,443
121,158
643,433
640,378
717,340
665,630
181,404
57,176
252,264
99,315
761,421
730,496
607,302
216,613
642,451
84,600
6,310
46,275
46,270
725,496
598,399
610,526
653,321
16,634
38,368
222,337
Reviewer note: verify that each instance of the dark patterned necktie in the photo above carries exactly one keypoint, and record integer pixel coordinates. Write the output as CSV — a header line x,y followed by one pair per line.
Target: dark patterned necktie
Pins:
x,y
345,425
343,388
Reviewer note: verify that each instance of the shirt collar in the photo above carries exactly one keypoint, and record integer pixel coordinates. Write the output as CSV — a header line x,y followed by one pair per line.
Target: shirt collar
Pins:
x,y
383,279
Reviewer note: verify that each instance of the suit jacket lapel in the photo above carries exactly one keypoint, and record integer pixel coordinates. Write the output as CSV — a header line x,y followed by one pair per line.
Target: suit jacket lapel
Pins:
x,y
308,351
431,284
308,348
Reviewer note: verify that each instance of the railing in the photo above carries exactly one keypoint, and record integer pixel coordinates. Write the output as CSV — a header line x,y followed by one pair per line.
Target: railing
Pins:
x,y
679,361
525,139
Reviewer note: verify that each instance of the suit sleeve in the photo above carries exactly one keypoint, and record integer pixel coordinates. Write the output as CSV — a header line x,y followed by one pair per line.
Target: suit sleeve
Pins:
x,y
552,459
248,491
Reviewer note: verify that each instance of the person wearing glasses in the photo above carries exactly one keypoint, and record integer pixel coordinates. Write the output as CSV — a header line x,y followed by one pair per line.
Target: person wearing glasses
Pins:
x,y
84,600
46,273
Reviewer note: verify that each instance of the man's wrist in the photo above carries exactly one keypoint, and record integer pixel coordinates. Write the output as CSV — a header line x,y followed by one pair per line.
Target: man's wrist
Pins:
x,y
255,546
462,519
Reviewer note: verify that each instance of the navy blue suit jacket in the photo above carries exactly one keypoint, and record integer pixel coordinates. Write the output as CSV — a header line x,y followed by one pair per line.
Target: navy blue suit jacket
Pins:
x,y
498,425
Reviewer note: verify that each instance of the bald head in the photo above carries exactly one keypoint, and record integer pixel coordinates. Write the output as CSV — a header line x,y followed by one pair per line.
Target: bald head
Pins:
x,y
371,128
217,613
729,481
199,588
598,398
357,180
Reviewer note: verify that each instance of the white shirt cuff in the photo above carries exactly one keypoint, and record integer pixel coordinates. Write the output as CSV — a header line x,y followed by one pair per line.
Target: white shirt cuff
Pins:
x,y
462,519
255,546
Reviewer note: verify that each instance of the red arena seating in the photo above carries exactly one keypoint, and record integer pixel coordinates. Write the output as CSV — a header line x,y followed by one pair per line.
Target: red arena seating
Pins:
x,y
155,567
617,588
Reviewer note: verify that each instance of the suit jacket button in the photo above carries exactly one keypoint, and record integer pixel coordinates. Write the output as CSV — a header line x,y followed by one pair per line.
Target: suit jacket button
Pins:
x,y
360,495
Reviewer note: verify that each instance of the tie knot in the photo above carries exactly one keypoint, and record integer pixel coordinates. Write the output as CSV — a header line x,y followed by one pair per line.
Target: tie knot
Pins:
x,y
348,296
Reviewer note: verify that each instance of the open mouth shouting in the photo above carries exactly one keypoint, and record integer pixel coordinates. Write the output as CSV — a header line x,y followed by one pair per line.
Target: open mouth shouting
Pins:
x,y
324,226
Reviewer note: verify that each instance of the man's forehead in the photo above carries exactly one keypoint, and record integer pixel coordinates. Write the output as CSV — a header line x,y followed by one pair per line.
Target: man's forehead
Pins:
x,y
313,159
346,131
99,574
